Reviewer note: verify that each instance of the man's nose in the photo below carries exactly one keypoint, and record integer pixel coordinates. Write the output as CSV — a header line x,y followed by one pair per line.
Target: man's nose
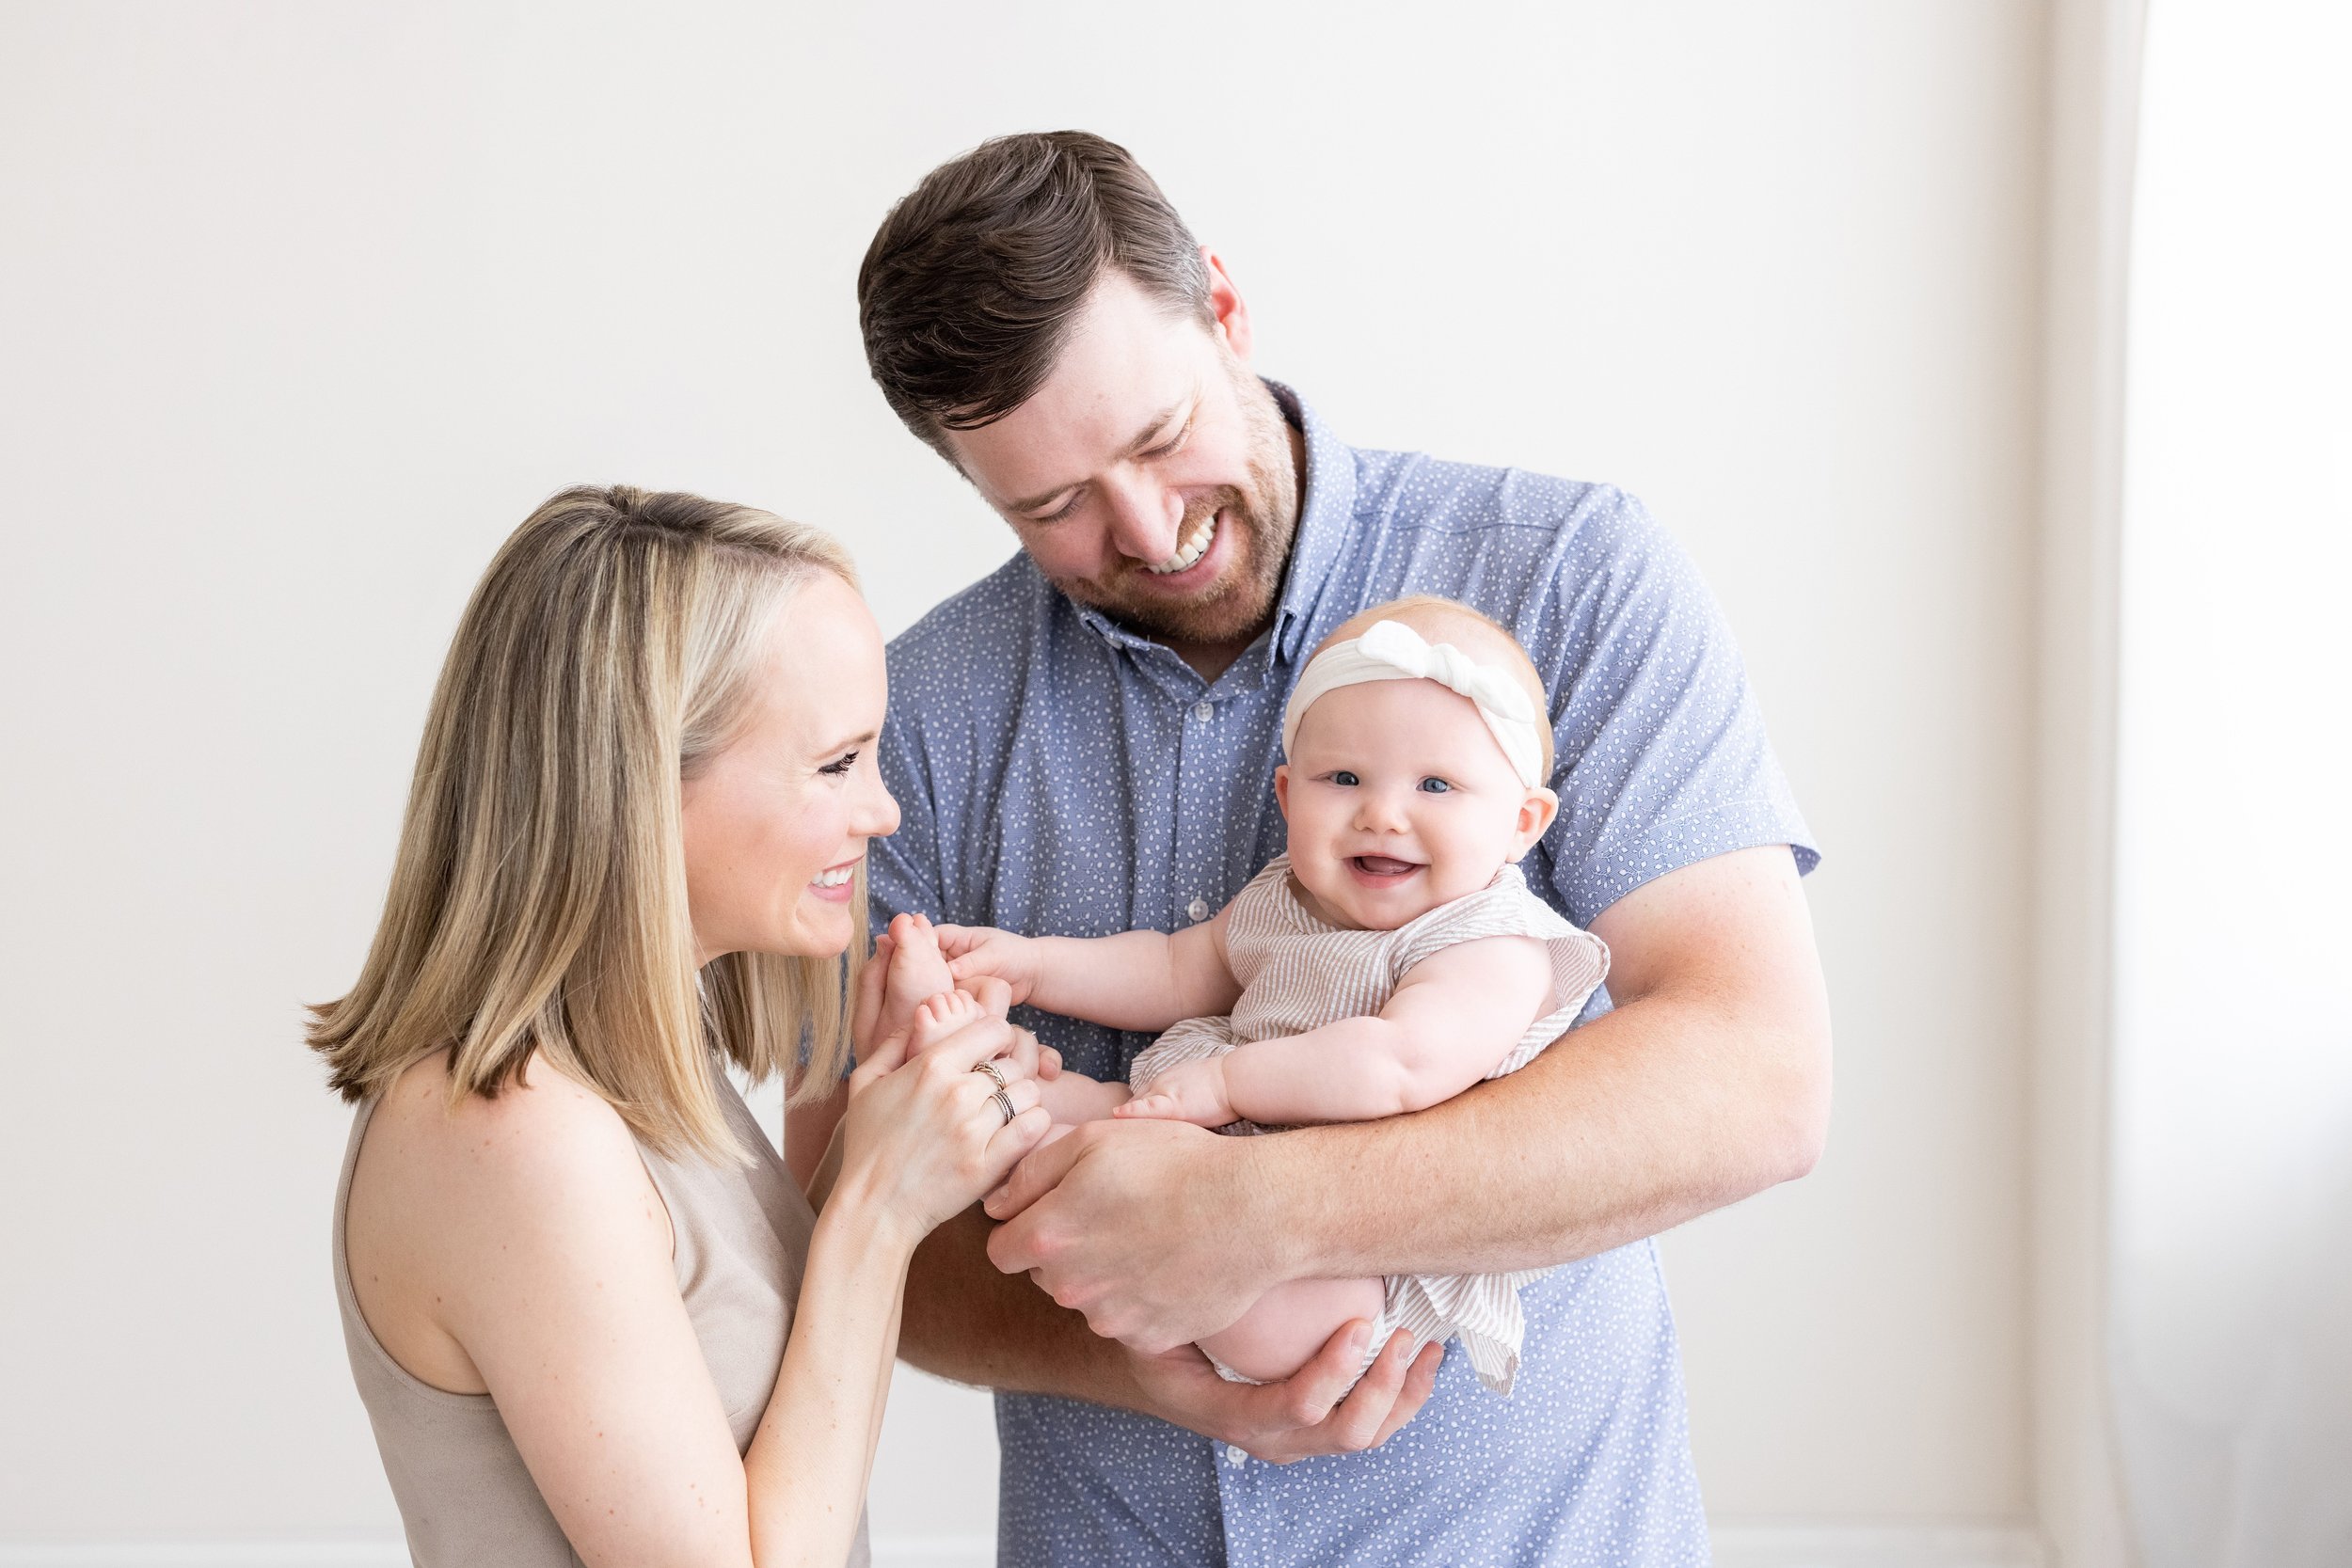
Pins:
x,y
1145,518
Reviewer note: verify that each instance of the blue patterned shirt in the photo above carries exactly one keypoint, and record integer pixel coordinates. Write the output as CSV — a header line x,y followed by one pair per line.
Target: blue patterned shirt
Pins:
x,y
1060,774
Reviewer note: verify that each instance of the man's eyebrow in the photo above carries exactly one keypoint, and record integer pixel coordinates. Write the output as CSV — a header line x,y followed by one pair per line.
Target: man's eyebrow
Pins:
x,y
1151,428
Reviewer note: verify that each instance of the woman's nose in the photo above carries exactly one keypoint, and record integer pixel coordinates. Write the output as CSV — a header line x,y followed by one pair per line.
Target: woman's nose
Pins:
x,y
880,819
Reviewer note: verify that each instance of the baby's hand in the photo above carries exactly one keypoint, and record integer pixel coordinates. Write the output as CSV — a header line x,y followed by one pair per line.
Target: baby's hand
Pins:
x,y
1192,1091
976,953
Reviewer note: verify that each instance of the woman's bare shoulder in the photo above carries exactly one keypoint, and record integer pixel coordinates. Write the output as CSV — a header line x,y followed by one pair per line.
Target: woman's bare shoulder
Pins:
x,y
547,1155
458,1212
545,1125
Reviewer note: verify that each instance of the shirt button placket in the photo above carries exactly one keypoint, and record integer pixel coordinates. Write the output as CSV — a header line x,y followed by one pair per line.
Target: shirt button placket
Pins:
x,y
1196,767
1235,1487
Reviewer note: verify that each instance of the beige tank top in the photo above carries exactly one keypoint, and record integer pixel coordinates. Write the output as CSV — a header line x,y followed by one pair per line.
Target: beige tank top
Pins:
x,y
464,1496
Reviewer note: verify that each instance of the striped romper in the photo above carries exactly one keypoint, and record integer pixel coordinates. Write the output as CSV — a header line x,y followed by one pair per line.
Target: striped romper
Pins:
x,y
1300,974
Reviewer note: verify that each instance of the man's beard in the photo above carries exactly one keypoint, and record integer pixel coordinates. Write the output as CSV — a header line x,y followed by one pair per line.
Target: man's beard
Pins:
x,y
1262,521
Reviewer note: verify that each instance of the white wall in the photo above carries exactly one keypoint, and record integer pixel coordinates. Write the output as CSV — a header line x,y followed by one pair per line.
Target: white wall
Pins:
x,y
2231,1312
301,309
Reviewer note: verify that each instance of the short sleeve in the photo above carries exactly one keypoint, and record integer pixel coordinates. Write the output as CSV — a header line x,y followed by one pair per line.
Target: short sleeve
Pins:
x,y
1662,759
1580,961
904,872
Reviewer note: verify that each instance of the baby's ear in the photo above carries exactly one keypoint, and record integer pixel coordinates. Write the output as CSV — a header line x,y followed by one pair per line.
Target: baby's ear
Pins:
x,y
1283,788
1537,814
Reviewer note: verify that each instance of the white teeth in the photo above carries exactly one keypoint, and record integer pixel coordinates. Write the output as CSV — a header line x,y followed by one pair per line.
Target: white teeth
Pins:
x,y
1189,550
832,879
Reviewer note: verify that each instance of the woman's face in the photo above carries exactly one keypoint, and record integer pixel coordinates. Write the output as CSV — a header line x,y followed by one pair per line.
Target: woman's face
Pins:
x,y
775,823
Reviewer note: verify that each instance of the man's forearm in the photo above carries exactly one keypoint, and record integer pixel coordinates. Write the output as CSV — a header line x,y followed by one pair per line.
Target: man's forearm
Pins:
x,y
1606,1138
968,1322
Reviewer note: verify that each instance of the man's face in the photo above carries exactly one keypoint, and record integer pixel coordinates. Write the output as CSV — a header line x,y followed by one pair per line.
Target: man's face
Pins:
x,y
1152,476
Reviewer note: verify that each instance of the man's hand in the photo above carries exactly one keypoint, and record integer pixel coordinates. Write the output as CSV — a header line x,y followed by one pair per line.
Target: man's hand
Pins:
x,y
1073,1213
1314,1412
1190,1091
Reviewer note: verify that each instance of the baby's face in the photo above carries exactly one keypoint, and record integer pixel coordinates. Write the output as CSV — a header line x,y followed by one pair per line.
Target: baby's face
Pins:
x,y
1400,800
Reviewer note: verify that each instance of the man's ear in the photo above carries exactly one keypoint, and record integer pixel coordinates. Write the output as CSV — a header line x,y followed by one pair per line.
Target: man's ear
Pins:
x,y
1537,814
1283,788
1225,304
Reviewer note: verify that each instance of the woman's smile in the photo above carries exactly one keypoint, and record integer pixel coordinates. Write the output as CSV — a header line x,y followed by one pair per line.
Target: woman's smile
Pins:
x,y
833,884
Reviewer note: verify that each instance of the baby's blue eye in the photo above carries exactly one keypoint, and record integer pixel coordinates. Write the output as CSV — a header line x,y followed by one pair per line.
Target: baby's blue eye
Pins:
x,y
1435,786
1344,778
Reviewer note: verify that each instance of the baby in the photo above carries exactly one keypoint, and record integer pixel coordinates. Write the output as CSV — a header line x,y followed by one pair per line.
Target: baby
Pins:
x,y
1391,958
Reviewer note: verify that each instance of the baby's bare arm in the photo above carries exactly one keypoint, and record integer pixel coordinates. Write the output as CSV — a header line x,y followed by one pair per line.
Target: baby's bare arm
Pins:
x,y
1455,1015
1134,980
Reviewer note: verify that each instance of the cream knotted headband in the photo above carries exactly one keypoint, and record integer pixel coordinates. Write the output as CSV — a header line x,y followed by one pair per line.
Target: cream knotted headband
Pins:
x,y
1393,651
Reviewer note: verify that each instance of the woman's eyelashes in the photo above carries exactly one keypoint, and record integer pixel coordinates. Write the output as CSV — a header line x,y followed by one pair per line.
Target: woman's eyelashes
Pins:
x,y
840,765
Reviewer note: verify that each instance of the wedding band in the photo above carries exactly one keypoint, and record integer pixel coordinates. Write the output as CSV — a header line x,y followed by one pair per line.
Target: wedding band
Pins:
x,y
994,1076
1003,1104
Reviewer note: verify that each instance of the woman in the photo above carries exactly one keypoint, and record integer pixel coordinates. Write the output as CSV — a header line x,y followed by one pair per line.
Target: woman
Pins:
x,y
590,1315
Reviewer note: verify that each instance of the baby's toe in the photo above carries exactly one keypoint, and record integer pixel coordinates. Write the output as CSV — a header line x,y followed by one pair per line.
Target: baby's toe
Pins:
x,y
939,1017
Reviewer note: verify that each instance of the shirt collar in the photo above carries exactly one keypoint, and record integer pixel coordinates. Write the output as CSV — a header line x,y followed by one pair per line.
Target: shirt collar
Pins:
x,y
1327,516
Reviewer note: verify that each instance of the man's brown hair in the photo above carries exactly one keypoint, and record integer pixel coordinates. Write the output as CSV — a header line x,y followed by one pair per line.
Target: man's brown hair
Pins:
x,y
973,279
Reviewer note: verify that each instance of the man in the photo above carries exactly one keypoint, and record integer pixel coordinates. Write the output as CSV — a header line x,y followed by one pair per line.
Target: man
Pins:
x,y
1084,743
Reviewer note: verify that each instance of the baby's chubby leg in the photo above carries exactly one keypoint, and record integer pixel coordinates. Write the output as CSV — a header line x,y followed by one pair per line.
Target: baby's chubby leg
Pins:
x,y
1283,1328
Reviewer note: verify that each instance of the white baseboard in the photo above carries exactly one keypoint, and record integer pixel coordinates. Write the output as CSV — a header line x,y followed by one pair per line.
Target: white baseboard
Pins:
x,y
1736,1545
934,1551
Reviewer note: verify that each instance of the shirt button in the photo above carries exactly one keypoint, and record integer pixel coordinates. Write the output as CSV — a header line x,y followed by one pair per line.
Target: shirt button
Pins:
x,y
1198,909
1204,711
1236,1453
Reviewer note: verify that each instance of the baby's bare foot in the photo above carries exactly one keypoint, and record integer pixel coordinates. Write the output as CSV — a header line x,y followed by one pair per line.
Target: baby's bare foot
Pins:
x,y
918,971
938,1017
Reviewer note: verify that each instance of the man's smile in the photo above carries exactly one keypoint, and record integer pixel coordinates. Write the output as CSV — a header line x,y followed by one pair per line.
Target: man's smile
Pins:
x,y
1190,547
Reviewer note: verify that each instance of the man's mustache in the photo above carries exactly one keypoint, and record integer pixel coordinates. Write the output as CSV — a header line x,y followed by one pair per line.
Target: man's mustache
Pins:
x,y
1227,500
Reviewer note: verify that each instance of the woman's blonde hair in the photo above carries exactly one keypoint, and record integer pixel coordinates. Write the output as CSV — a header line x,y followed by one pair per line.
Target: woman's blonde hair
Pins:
x,y
538,901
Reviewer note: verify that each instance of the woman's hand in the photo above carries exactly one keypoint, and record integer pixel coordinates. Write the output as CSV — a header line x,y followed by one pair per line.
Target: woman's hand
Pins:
x,y
983,952
924,1135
